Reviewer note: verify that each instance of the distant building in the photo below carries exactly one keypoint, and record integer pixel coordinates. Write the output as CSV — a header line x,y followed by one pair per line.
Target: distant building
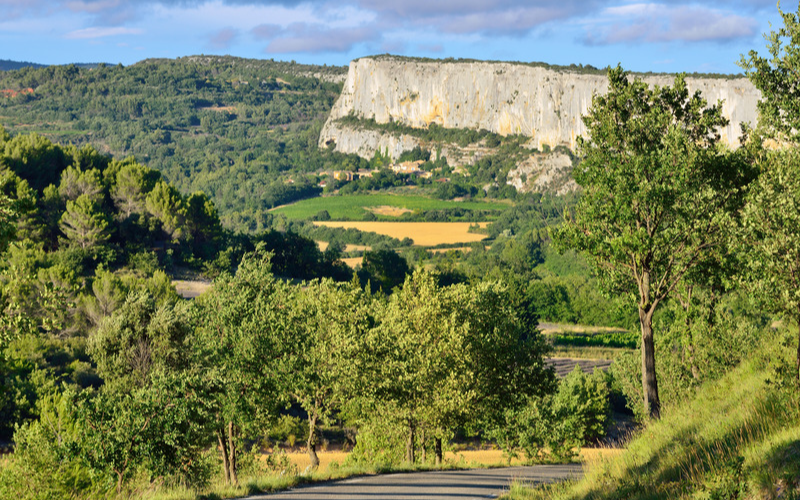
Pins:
x,y
411,168
344,175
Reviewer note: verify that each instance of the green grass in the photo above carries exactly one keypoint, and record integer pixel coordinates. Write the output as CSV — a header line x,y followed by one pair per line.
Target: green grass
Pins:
x,y
352,207
739,438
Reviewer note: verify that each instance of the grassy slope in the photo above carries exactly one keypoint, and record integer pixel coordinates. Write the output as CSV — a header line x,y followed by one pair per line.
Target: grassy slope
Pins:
x,y
352,206
736,439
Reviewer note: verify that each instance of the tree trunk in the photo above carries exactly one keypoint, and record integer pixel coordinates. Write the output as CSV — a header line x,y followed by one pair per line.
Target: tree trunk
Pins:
x,y
312,439
410,445
224,450
437,449
119,482
652,404
232,453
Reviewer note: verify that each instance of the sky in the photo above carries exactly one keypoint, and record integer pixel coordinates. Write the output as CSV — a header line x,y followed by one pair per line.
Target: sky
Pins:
x,y
664,36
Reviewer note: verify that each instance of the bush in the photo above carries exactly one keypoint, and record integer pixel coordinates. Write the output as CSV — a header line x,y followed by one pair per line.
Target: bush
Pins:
x,y
560,423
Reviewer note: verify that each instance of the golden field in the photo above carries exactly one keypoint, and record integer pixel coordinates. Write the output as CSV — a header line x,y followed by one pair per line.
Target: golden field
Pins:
x,y
323,245
476,458
424,234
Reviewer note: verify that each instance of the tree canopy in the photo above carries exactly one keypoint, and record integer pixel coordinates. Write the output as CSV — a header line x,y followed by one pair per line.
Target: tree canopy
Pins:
x,y
658,191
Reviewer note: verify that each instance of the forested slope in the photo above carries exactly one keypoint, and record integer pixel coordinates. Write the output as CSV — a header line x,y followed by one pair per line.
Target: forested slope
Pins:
x,y
230,127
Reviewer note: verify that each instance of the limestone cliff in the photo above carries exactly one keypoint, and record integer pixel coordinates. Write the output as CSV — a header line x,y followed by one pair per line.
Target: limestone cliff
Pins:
x,y
506,98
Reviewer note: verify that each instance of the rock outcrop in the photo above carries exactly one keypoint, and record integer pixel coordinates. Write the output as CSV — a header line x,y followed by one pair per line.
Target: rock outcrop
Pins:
x,y
506,98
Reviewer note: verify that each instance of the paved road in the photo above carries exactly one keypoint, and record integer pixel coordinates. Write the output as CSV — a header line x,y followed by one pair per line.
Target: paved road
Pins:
x,y
565,365
435,485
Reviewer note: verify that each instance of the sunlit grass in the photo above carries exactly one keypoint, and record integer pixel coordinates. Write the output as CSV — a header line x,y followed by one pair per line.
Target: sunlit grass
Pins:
x,y
735,440
356,206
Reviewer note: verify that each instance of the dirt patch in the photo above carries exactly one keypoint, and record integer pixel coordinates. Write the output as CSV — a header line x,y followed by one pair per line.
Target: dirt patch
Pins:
x,y
190,289
388,210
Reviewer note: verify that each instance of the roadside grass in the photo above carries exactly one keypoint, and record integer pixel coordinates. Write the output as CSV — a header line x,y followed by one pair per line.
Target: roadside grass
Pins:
x,y
356,206
738,438
330,470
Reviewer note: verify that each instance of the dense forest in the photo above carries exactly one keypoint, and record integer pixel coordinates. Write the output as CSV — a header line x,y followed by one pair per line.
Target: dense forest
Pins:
x,y
229,127
114,181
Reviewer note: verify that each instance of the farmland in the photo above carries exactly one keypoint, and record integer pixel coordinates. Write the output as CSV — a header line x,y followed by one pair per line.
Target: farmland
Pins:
x,y
426,234
355,207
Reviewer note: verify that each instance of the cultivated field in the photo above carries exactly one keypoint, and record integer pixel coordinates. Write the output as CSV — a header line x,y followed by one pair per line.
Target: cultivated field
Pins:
x,y
354,207
323,245
424,234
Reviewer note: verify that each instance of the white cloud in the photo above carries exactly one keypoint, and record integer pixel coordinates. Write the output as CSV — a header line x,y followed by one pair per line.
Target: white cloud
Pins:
x,y
98,32
656,23
302,37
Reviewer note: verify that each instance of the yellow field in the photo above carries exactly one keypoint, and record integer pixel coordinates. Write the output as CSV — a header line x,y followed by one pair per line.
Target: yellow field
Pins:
x,y
475,458
323,245
353,261
424,234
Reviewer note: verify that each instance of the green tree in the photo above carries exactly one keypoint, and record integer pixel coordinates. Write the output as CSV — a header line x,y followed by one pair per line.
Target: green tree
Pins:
x,y
75,182
162,427
242,321
776,78
132,183
383,268
166,204
141,338
658,193
445,357
770,236
84,224
334,319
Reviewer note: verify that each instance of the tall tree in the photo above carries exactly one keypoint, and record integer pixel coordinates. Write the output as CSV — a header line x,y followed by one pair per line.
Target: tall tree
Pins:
x,y
334,319
777,79
444,357
133,182
771,234
166,204
242,321
658,191
83,223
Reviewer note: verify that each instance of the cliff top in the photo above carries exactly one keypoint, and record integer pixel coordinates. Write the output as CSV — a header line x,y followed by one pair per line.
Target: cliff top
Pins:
x,y
572,68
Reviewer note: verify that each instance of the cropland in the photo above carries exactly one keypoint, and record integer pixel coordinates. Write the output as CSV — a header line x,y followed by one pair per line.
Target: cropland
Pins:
x,y
426,234
384,206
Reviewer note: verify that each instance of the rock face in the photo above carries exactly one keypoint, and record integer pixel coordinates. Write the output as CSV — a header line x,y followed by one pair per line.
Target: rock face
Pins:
x,y
543,173
505,98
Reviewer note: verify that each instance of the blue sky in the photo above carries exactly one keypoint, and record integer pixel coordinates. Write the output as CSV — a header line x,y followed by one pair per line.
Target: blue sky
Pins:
x,y
664,36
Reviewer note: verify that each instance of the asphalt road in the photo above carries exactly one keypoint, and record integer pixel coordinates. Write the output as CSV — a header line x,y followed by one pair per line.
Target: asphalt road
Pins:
x,y
435,485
